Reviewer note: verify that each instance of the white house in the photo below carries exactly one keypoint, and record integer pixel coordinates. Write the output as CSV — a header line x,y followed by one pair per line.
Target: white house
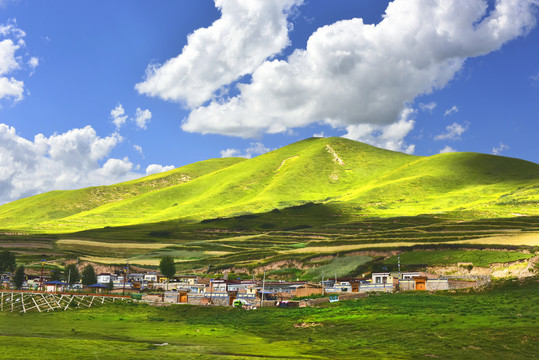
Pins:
x,y
382,278
105,278
150,277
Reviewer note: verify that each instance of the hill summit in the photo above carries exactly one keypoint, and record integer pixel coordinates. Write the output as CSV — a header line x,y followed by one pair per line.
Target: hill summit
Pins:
x,y
359,179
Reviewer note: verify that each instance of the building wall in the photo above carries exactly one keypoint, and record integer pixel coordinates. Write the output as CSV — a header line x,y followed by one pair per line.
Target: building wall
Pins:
x,y
407,284
456,284
437,284
171,297
376,287
299,292
220,299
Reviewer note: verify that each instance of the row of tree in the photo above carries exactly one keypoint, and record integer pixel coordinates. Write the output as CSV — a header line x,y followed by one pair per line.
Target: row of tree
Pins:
x,y
71,274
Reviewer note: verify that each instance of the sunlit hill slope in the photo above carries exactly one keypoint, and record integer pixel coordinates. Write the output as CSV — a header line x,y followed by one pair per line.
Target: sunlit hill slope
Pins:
x,y
360,179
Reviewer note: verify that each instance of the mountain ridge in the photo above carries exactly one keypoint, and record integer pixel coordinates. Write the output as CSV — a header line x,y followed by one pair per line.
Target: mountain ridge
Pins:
x,y
360,178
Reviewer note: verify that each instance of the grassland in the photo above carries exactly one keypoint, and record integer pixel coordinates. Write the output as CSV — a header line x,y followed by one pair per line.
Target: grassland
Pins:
x,y
354,178
286,242
318,197
449,257
499,323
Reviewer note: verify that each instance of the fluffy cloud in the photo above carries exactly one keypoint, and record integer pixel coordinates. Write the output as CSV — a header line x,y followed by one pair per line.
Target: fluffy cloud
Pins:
x,y
118,116
499,149
453,132
350,73
62,161
138,149
253,150
428,107
11,40
155,168
447,149
33,63
142,117
389,137
247,33
454,109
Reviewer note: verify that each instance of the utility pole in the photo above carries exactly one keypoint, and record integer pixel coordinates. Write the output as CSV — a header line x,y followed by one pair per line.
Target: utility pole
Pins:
x,y
263,287
323,284
399,259
41,277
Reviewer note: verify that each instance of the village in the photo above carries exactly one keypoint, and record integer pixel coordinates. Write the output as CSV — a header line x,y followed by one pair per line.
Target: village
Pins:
x,y
155,288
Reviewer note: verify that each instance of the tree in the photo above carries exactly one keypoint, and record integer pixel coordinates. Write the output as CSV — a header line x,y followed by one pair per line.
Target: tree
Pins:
x,y
88,275
7,261
167,267
56,275
18,279
72,274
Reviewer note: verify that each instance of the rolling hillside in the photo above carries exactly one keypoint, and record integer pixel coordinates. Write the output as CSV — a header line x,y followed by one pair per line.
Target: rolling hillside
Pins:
x,y
357,179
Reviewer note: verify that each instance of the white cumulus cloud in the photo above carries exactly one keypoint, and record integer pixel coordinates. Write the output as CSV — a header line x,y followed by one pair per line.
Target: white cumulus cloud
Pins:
x,y
156,168
118,116
33,63
74,159
454,109
389,137
452,132
497,150
428,107
447,149
350,73
142,118
138,149
11,41
247,33
254,149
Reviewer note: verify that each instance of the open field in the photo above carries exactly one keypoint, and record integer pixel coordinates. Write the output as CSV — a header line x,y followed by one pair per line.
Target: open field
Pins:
x,y
297,237
499,323
449,257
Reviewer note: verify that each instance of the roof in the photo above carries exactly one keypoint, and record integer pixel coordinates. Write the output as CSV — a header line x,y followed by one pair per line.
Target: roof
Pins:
x,y
98,286
55,282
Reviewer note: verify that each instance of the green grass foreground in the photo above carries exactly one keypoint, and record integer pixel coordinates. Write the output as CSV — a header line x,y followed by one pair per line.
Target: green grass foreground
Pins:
x,y
499,323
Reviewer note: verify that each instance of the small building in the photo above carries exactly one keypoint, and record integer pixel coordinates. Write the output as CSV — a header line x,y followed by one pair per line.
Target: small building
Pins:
x,y
135,277
423,283
54,286
382,278
106,278
218,285
150,277
410,275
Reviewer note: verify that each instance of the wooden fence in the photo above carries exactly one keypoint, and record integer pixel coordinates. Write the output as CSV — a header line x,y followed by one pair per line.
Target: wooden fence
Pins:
x,y
25,301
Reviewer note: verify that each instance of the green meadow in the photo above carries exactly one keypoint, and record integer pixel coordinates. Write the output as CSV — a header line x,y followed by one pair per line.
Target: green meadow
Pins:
x,y
498,323
351,178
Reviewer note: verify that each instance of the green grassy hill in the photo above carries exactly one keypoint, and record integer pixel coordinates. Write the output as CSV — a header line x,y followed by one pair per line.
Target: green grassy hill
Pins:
x,y
60,204
355,178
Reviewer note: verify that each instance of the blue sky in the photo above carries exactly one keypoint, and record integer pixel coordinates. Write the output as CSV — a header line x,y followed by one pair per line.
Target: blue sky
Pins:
x,y
208,79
